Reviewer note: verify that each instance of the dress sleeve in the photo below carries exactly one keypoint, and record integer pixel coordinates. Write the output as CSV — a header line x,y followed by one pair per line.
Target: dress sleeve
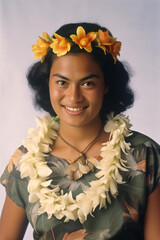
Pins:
x,y
146,153
152,165
16,187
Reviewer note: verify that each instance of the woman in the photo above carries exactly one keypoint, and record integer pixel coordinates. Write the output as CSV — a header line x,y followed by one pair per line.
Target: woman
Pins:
x,y
83,174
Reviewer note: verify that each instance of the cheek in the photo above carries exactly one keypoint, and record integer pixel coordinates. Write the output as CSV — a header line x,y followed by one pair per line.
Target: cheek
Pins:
x,y
53,92
96,96
96,101
54,99
99,98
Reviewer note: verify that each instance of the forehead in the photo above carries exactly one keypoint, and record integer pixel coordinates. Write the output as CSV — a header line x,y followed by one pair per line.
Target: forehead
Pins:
x,y
76,64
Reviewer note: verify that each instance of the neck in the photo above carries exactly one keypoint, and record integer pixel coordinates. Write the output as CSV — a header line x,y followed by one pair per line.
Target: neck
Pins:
x,y
76,134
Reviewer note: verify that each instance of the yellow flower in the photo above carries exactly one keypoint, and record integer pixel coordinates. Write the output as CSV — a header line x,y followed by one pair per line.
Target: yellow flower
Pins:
x,y
83,40
115,50
41,47
60,45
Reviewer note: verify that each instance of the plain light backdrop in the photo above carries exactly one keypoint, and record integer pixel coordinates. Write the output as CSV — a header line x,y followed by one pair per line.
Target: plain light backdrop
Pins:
x,y
134,22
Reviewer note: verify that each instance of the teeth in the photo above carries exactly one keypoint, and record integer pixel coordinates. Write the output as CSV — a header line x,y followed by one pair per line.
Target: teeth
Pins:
x,y
73,109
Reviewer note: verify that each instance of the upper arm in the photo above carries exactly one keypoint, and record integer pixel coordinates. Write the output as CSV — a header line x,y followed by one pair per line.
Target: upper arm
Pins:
x,y
152,218
13,222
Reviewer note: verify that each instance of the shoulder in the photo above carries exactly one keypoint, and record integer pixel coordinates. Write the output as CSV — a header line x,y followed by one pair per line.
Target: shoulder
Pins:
x,y
13,166
145,153
138,139
143,147
14,161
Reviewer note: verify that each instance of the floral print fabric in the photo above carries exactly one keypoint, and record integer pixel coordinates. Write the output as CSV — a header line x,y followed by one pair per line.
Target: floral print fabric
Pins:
x,y
124,217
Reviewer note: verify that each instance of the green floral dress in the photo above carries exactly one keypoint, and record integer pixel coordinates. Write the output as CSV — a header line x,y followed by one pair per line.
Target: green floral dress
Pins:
x,y
124,217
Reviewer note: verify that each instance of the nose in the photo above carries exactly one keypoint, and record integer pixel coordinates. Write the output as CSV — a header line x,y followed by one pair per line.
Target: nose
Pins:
x,y
74,93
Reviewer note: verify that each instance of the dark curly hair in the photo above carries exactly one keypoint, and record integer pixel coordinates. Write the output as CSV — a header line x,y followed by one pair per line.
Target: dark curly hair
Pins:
x,y
116,75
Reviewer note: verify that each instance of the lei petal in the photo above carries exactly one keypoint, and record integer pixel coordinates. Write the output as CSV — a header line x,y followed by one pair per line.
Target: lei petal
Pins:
x,y
54,202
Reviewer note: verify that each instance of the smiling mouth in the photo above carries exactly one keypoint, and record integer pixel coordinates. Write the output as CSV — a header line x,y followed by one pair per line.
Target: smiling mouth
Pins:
x,y
75,109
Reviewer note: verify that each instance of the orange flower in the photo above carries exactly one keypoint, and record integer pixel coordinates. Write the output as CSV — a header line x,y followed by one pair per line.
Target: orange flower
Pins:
x,y
60,45
104,39
78,235
41,47
141,166
83,40
115,50
133,214
14,159
108,44
4,182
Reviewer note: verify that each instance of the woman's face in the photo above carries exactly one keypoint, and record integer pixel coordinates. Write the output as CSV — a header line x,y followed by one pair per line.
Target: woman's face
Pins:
x,y
76,87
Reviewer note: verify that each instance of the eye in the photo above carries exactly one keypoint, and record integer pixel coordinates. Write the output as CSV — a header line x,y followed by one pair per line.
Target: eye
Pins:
x,y
61,82
89,84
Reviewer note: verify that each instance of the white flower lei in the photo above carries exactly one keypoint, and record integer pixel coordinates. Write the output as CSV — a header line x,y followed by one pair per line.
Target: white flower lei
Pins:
x,y
51,199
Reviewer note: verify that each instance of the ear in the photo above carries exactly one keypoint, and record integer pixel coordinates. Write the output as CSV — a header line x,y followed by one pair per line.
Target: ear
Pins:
x,y
106,90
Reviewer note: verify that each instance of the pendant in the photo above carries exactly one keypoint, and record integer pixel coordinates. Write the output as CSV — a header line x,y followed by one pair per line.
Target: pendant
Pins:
x,y
79,167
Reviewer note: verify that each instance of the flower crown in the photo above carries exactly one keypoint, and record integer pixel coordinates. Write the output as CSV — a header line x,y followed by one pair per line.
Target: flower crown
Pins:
x,y
60,45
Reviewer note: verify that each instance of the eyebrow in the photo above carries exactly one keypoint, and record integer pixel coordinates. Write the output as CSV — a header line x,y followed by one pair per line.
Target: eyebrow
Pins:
x,y
82,79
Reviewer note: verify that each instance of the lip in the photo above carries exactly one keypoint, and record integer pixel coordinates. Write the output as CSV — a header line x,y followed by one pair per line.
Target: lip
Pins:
x,y
74,110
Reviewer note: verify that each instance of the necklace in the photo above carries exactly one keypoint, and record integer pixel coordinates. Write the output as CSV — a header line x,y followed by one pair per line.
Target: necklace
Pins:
x,y
80,165
51,198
